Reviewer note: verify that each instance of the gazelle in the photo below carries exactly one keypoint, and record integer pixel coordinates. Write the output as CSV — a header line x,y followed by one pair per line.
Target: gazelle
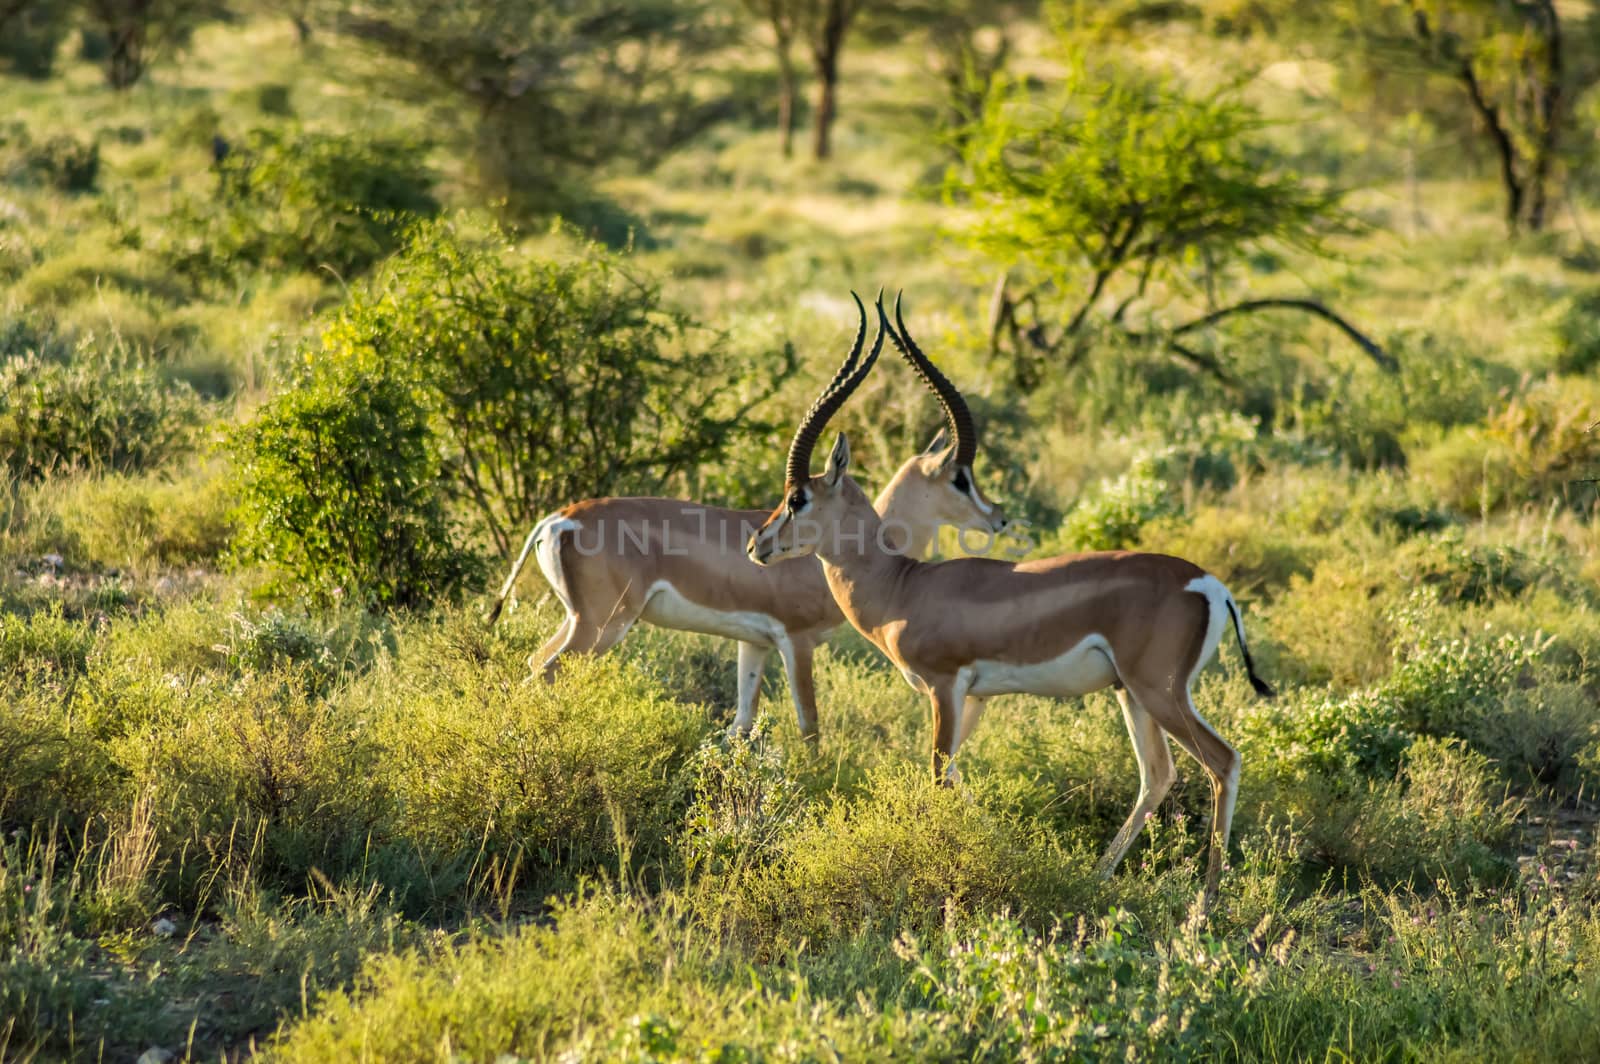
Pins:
x,y
616,561
966,629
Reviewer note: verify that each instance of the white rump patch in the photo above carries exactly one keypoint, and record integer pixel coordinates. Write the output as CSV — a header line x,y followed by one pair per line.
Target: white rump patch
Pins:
x,y
546,541
1217,598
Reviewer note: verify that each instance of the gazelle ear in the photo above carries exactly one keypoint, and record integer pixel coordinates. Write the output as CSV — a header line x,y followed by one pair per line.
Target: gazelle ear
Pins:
x,y
838,461
939,442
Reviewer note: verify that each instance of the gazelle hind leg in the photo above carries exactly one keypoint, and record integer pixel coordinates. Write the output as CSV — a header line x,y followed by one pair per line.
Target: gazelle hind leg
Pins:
x,y
586,638
752,659
1176,714
1156,776
540,661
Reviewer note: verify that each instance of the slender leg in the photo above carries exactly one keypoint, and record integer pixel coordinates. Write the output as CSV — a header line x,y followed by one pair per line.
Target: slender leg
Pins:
x,y
1175,712
946,699
588,639
971,709
546,654
797,654
1156,776
752,659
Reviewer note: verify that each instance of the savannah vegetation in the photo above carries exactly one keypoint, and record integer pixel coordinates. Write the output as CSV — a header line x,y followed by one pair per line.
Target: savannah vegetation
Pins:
x,y
310,308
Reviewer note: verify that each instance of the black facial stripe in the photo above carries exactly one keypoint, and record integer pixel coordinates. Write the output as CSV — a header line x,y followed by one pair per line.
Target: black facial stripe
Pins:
x,y
961,483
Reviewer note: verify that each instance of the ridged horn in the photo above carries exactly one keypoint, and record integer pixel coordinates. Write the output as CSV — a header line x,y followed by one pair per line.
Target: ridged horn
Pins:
x,y
844,382
955,407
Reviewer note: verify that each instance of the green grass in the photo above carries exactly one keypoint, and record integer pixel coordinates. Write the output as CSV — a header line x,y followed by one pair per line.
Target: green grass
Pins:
x,y
233,825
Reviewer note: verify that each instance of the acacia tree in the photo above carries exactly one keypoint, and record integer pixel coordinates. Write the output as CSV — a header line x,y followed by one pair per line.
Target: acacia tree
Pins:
x,y
779,17
1504,71
557,86
969,43
1112,198
138,29
1508,65
821,27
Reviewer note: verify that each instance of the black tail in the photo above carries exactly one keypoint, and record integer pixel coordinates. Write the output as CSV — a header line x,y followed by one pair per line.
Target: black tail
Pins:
x,y
1263,688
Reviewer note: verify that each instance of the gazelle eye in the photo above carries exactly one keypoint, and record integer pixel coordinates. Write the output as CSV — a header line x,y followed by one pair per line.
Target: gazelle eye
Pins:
x,y
796,501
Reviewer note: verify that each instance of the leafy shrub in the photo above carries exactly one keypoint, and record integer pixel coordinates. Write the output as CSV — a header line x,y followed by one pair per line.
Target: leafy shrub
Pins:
x,y
49,772
46,643
1113,518
299,202
1549,436
1214,449
1444,686
547,381
31,38
26,335
339,490
62,161
1071,995
1578,334
1337,627
92,413
259,758
1113,179
909,854
744,802
1359,736
552,782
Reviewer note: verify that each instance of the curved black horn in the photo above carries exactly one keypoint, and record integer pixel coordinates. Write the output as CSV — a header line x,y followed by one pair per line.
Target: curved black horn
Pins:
x,y
849,377
955,407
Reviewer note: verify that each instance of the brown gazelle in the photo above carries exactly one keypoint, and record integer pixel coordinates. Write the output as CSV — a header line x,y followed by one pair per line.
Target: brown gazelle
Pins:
x,y
677,564
968,628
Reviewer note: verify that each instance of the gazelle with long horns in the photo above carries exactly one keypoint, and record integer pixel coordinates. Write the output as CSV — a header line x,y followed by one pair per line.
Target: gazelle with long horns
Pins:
x,y
616,561
965,629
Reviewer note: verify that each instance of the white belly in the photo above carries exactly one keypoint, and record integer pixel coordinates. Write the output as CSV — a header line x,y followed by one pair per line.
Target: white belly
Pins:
x,y
668,609
1086,667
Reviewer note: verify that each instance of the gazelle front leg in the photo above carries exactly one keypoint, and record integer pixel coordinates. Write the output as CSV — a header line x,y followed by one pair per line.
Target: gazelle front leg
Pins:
x,y
752,660
946,698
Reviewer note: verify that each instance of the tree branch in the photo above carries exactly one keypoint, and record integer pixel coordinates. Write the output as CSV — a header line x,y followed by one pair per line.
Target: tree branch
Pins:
x,y
1372,349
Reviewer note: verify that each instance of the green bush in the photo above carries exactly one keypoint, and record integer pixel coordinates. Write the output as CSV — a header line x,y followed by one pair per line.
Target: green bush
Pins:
x,y
546,380
338,489
909,854
549,783
90,414
1578,334
32,37
1015,995
1113,518
62,162
301,201
260,758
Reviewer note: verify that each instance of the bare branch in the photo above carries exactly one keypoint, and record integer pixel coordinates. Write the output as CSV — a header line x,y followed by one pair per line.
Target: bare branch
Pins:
x,y
1310,306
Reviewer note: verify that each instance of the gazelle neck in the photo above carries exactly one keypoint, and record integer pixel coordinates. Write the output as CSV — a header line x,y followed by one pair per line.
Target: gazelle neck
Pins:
x,y
862,562
904,531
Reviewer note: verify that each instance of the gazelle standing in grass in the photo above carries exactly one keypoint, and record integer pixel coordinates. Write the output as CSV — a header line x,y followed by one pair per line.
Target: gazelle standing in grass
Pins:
x,y
678,564
969,628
